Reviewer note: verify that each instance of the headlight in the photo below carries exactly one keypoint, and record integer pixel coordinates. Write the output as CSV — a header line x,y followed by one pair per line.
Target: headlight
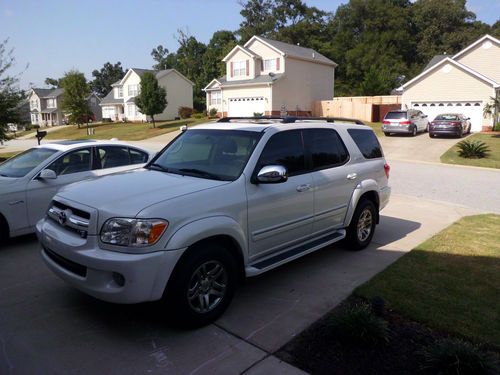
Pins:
x,y
133,232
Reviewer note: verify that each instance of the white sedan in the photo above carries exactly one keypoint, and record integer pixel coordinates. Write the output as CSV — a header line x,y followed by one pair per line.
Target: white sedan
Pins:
x,y
29,180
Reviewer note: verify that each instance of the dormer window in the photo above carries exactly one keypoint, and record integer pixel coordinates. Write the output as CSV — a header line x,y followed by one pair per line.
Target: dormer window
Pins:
x,y
270,65
239,68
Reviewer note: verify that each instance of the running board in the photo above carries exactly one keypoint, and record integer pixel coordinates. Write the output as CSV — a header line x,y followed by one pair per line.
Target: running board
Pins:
x,y
286,256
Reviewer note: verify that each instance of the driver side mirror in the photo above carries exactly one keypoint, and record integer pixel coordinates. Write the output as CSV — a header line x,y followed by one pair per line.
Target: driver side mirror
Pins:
x,y
424,116
272,174
47,174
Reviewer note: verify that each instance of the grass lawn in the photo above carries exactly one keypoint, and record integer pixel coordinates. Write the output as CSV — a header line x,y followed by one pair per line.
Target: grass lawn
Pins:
x,y
451,282
122,131
492,161
377,128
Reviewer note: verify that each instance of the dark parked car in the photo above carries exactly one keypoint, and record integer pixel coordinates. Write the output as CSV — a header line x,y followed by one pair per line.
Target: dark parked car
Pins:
x,y
450,124
409,121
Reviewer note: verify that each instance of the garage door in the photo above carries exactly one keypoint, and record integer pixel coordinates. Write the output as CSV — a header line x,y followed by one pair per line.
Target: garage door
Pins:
x,y
474,110
246,106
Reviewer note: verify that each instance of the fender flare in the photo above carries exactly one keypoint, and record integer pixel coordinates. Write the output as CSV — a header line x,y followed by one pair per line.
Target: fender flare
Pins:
x,y
361,188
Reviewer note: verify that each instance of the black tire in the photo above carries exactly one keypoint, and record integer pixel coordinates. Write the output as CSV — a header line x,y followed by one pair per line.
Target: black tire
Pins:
x,y
432,135
4,231
387,134
188,311
353,239
414,131
427,128
460,133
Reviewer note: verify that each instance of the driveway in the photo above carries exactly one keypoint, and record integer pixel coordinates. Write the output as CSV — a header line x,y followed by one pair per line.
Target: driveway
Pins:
x,y
419,148
48,327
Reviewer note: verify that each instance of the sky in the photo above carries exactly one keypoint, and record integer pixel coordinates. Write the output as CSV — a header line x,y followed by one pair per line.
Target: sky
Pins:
x,y
59,35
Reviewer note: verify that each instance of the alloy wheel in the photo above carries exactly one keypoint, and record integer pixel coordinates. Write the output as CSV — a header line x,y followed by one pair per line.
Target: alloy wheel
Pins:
x,y
365,222
207,286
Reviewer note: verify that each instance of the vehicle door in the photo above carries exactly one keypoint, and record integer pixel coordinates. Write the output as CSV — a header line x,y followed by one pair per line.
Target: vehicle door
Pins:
x,y
334,180
280,214
112,159
73,166
423,120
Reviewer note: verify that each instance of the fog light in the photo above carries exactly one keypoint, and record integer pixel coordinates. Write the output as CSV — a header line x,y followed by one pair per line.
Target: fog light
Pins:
x,y
118,278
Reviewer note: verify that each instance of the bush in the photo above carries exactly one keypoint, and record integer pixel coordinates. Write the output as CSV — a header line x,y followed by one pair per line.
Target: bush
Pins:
x,y
453,356
358,325
199,115
185,112
258,114
106,119
212,112
473,149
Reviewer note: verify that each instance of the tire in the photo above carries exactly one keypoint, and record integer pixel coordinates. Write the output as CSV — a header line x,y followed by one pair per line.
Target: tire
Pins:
x,y
427,128
414,131
387,134
359,239
207,268
460,133
431,135
4,231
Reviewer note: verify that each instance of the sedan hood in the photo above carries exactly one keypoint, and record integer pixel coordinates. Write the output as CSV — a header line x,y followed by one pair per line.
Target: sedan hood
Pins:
x,y
127,193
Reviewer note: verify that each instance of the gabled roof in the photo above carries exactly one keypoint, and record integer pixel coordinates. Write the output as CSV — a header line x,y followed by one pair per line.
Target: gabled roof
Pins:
x,y
41,92
435,60
293,50
54,93
215,80
110,99
259,80
158,74
239,48
480,40
117,83
455,63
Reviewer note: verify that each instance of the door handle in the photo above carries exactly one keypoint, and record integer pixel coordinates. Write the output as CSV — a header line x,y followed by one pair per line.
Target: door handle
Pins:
x,y
15,202
302,188
352,176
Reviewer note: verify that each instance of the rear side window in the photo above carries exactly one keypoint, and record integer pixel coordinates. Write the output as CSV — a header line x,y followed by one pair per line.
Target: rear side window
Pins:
x,y
395,115
326,148
286,149
367,142
137,157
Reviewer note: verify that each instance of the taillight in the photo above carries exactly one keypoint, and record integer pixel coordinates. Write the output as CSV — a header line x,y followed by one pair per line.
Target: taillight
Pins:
x,y
455,123
386,122
387,169
407,122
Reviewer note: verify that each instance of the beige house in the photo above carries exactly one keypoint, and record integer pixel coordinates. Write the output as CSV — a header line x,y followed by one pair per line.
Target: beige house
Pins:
x,y
462,83
45,107
272,78
119,104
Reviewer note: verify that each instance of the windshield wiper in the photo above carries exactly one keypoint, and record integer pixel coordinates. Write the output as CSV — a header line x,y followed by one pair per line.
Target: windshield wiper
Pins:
x,y
199,172
158,167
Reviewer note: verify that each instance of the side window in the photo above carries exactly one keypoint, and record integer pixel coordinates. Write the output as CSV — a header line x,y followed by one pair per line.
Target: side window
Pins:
x,y
72,162
137,157
287,149
367,142
113,156
326,147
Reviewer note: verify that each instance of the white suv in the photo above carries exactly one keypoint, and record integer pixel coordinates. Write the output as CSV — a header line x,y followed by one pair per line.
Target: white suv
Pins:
x,y
222,201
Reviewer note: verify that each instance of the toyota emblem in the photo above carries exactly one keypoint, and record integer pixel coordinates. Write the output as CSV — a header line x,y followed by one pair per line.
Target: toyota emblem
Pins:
x,y
62,218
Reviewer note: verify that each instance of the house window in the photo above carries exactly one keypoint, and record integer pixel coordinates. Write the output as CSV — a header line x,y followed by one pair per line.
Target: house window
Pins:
x,y
33,103
51,103
131,110
216,97
132,90
270,65
119,92
239,68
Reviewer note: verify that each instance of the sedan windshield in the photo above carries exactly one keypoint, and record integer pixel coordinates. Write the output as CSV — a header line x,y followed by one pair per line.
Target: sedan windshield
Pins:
x,y
447,117
20,165
211,154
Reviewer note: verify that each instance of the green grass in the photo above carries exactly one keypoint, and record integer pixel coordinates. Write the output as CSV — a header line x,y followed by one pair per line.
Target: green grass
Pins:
x,y
377,127
450,282
123,131
492,161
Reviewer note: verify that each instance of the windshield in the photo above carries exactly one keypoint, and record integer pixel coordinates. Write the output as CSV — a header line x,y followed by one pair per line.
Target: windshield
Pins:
x,y
20,165
447,117
395,115
212,154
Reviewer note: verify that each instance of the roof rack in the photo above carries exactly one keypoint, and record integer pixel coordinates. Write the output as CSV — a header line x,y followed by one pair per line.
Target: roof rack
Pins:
x,y
292,119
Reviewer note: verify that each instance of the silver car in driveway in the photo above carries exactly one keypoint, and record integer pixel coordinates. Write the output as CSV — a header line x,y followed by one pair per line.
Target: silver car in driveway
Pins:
x,y
29,180
409,121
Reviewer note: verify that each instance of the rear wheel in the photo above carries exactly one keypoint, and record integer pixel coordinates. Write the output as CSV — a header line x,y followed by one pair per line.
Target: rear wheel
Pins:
x,y
360,231
414,131
461,132
202,285
387,134
427,127
431,135
4,231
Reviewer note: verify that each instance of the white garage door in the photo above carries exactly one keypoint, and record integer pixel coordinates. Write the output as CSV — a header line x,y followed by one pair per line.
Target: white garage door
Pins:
x,y
246,106
474,110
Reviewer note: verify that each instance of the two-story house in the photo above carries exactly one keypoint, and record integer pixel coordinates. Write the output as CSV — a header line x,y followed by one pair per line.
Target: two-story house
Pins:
x,y
45,107
119,104
461,83
271,78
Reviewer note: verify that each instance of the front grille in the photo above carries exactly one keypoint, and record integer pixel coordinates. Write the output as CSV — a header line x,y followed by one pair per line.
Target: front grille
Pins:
x,y
72,219
67,264
76,211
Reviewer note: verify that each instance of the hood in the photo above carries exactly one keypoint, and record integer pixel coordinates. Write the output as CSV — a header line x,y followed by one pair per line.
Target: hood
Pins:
x,y
127,193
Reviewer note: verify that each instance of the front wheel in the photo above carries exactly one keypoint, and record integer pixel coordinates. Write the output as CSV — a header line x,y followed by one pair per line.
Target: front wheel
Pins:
x,y
414,131
202,285
387,134
360,231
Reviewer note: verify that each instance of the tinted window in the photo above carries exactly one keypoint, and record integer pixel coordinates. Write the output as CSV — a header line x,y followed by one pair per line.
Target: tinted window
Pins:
x,y
367,142
113,156
73,162
447,117
20,165
287,149
326,147
137,157
395,115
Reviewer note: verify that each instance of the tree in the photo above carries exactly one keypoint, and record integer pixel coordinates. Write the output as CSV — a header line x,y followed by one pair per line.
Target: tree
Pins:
x,y
10,94
257,19
54,83
152,99
220,45
492,110
76,93
164,59
105,77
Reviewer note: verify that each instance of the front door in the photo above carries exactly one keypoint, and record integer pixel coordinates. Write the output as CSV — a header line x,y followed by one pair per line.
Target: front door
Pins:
x,y
280,215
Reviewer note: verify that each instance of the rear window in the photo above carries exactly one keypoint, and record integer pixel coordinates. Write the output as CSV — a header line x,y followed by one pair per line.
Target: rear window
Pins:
x,y
367,142
447,117
395,115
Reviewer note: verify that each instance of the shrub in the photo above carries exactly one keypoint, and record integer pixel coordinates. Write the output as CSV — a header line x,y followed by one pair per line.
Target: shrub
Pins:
x,y
106,119
198,115
454,356
473,149
212,112
258,114
358,325
185,112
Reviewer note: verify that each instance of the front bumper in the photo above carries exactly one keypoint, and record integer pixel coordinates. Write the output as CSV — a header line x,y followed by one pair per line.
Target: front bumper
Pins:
x,y
406,129
87,267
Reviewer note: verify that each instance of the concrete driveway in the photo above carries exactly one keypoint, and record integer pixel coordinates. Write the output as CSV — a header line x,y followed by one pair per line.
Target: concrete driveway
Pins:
x,y
419,148
47,327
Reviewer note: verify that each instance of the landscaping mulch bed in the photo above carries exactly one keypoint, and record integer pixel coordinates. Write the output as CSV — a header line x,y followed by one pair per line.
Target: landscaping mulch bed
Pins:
x,y
318,351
